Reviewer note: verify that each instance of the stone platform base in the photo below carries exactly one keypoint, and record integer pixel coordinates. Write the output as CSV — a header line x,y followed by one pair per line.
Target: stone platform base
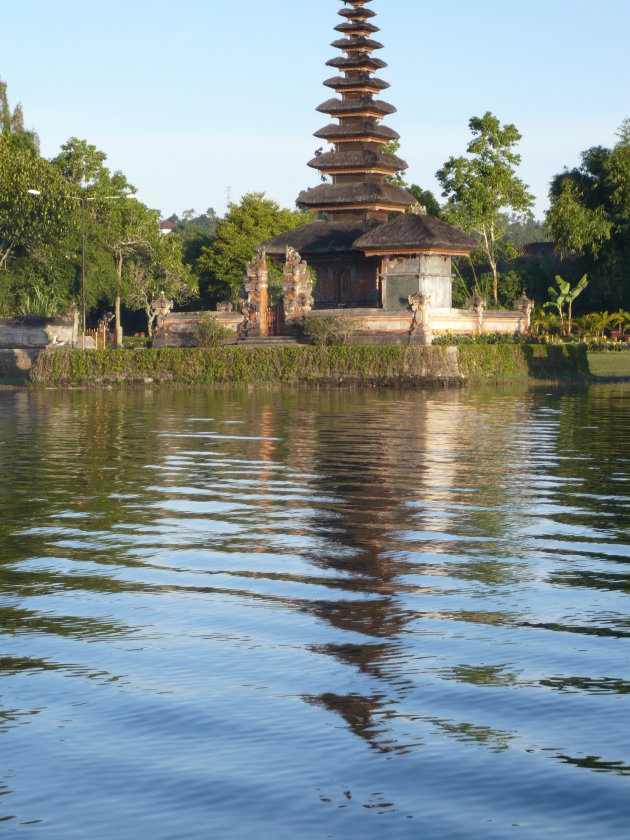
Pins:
x,y
16,363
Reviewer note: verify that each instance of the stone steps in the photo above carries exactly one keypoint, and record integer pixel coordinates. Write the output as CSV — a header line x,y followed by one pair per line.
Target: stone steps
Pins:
x,y
267,341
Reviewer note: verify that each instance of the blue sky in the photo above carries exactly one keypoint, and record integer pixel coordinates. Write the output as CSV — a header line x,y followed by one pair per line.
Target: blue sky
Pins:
x,y
191,98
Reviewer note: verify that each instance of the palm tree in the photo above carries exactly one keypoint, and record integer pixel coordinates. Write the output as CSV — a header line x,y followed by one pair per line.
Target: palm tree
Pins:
x,y
621,321
584,326
603,321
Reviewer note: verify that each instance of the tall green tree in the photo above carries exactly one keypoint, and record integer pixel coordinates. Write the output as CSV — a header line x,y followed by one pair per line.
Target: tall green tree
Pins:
x,y
128,231
589,218
483,186
121,225
245,225
30,225
160,269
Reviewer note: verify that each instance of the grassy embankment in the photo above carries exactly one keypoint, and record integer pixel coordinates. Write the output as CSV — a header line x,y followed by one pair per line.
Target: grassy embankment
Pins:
x,y
358,365
610,365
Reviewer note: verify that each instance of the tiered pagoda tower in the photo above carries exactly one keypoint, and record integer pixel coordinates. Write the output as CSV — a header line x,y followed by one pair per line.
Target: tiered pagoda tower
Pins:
x,y
358,165
363,258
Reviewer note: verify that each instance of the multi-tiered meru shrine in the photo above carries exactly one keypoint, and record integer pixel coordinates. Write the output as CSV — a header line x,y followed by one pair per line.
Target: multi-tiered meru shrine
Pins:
x,y
372,245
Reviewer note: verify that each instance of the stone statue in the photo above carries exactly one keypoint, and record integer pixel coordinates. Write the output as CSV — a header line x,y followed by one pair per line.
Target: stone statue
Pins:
x,y
420,304
477,304
160,309
525,305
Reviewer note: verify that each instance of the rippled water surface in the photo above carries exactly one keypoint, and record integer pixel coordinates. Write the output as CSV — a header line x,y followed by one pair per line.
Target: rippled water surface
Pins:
x,y
252,614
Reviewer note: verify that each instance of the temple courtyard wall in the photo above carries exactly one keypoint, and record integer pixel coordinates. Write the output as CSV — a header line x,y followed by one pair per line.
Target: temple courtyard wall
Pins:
x,y
37,333
22,339
178,328
365,326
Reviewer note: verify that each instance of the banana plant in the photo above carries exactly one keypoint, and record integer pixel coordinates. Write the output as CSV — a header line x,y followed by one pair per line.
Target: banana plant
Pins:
x,y
564,294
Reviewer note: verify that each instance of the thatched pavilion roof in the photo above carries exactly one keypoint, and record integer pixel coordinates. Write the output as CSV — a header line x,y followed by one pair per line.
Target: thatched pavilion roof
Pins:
x,y
319,238
414,233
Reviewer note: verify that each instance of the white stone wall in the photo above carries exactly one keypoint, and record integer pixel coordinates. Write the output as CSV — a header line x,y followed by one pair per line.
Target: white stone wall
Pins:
x,y
37,333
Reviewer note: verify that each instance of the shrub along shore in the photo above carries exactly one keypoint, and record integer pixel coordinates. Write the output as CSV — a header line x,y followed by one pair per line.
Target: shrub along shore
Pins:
x,y
301,364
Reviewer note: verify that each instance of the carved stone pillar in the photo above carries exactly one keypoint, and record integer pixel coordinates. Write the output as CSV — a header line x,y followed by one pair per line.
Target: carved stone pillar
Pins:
x,y
298,287
256,302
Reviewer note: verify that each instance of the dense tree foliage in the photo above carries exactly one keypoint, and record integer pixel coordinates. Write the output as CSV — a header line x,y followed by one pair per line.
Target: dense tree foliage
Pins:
x,y
44,208
523,231
196,232
245,225
30,225
482,186
589,218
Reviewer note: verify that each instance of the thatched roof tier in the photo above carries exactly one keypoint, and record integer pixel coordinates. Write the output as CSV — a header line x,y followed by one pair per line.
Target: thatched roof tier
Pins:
x,y
358,43
413,233
319,238
358,132
359,62
356,108
356,196
357,14
360,84
365,160
357,28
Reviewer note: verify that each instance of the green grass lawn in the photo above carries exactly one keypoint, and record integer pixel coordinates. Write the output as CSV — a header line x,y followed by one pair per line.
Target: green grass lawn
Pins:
x,y
610,364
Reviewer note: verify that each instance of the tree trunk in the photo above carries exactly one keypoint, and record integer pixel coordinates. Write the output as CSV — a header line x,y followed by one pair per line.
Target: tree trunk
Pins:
x,y
569,322
118,333
495,285
149,322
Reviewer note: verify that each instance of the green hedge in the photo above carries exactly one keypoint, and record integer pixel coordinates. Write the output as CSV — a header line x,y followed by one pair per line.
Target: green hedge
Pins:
x,y
304,364
505,362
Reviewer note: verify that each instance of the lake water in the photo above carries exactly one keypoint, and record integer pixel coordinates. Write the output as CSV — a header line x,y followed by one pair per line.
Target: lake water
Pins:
x,y
271,613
